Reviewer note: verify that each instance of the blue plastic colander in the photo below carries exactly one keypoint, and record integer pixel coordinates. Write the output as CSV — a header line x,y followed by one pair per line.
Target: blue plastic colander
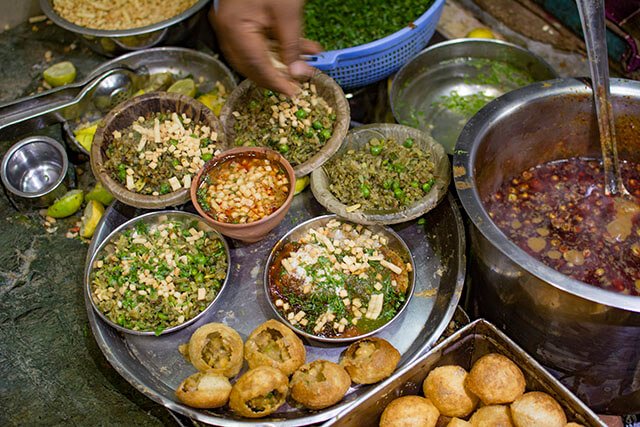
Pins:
x,y
368,63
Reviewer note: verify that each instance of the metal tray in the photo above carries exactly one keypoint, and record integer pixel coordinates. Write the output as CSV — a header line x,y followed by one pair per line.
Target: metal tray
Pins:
x,y
155,367
179,61
463,348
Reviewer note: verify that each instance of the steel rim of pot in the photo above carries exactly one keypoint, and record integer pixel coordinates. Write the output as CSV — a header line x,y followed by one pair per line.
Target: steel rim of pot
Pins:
x,y
466,150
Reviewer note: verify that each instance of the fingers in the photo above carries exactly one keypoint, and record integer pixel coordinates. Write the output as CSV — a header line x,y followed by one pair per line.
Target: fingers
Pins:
x,y
287,27
309,47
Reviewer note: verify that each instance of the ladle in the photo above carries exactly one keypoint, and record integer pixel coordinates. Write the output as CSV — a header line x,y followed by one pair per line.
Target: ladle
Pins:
x,y
593,25
104,91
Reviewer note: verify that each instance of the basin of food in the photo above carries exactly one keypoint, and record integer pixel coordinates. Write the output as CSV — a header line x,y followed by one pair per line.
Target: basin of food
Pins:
x,y
447,83
555,260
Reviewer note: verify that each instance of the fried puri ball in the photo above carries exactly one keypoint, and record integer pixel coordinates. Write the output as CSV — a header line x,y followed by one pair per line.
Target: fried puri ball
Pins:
x,y
410,411
444,386
216,348
370,360
259,392
573,425
492,416
274,344
495,379
537,409
319,384
204,390
457,422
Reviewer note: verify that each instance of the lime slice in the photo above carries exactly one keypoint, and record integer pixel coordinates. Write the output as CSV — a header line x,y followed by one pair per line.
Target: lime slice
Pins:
x,y
301,184
92,214
66,205
60,74
85,136
480,33
99,194
213,101
184,87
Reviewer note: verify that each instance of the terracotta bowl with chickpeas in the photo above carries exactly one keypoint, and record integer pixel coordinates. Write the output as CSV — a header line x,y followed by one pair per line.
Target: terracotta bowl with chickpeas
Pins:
x,y
245,192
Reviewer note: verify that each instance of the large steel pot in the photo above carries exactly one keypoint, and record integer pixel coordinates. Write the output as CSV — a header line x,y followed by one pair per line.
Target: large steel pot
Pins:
x,y
588,337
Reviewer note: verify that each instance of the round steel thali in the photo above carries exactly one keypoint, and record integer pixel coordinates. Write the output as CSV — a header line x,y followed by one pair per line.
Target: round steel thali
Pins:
x,y
155,367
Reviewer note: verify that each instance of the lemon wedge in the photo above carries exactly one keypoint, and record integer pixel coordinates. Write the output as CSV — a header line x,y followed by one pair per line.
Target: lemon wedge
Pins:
x,y
60,74
301,184
481,33
213,101
85,136
184,87
67,205
92,214
99,194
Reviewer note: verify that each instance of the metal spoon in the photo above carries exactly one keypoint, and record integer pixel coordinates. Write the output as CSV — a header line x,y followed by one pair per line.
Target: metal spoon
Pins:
x,y
104,92
593,25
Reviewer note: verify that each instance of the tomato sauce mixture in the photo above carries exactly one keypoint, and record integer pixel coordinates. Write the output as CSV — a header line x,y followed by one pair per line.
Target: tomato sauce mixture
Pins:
x,y
559,214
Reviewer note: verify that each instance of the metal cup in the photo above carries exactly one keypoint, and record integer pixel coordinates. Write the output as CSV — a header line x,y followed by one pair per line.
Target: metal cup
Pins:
x,y
34,171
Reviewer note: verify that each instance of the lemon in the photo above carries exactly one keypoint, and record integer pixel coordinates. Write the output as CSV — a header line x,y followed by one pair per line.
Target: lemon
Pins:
x,y
480,33
213,101
92,214
60,74
85,136
139,92
99,194
66,205
184,87
301,184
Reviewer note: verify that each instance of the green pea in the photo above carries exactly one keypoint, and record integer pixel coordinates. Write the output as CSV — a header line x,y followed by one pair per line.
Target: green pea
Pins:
x,y
325,134
415,184
422,221
309,134
366,192
426,187
207,156
165,188
376,150
122,172
317,125
408,143
283,148
398,193
301,114
268,93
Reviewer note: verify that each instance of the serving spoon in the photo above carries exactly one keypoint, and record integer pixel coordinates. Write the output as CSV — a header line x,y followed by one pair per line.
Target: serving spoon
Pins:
x,y
593,25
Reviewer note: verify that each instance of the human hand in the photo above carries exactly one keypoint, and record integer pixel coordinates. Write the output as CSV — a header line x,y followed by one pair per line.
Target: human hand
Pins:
x,y
245,29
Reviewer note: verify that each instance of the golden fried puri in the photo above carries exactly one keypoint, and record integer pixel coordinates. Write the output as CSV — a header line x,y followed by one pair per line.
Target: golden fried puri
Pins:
x,y
259,392
495,379
444,386
410,411
319,384
457,422
537,409
274,344
370,360
573,425
492,416
216,348
204,390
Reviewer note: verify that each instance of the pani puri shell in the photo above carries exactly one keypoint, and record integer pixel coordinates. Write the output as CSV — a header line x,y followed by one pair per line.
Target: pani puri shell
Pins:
x,y
259,392
274,344
410,411
370,360
216,348
445,387
457,422
537,409
492,416
319,384
204,390
495,379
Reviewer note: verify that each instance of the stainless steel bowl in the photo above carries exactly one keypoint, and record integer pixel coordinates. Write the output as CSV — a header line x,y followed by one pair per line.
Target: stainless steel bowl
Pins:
x,y
115,42
416,92
589,337
395,243
34,171
151,218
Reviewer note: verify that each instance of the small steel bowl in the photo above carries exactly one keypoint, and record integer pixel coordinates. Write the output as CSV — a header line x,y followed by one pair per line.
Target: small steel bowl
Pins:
x,y
416,92
395,242
34,171
151,218
115,42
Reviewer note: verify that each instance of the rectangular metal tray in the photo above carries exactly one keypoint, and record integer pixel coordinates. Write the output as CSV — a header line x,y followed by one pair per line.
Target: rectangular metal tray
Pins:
x,y
462,348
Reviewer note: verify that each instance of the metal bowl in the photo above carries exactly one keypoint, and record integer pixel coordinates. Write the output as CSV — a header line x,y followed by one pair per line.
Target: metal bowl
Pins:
x,y
395,242
34,171
150,218
114,42
358,139
589,337
437,71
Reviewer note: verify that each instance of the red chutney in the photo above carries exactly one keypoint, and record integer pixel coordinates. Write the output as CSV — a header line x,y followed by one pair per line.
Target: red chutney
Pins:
x,y
558,213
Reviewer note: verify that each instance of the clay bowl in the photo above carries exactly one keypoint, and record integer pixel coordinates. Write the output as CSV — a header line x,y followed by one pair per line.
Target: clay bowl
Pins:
x,y
252,231
358,139
327,88
126,113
